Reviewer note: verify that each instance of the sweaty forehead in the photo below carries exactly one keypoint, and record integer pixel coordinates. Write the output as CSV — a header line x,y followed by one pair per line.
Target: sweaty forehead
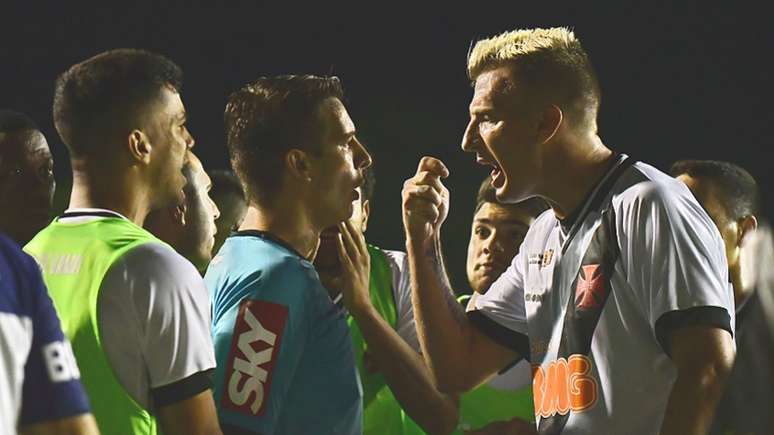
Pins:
x,y
335,119
167,103
23,142
492,87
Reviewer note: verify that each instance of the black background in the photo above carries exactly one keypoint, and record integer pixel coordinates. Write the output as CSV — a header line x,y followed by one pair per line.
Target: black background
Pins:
x,y
678,81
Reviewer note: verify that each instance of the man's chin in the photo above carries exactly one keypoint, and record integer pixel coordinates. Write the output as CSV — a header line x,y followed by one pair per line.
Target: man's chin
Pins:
x,y
483,283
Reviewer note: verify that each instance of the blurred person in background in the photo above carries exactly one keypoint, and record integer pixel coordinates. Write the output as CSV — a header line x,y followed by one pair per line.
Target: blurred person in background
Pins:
x,y
188,225
731,197
40,389
26,177
230,199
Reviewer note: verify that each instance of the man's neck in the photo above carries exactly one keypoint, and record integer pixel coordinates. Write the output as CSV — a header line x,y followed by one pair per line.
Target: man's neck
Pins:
x,y
288,222
575,172
114,192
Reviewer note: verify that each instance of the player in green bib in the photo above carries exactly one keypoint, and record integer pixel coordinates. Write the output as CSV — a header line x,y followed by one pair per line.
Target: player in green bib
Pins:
x,y
135,311
503,403
398,395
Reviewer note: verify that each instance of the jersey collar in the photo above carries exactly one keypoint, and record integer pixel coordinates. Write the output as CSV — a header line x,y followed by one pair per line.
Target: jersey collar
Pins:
x,y
91,212
572,223
270,237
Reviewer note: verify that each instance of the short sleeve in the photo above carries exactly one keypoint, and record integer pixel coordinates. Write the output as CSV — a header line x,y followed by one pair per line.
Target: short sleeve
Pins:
x,y
401,284
500,312
675,260
52,388
267,344
170,324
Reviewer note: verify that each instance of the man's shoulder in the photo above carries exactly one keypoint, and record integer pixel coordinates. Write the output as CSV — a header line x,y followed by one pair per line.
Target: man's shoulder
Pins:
x,y
258,269
645,185
156,260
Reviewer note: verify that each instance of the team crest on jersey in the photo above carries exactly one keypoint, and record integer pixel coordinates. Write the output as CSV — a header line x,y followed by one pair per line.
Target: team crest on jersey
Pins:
x,y
589,291
547,256
255,346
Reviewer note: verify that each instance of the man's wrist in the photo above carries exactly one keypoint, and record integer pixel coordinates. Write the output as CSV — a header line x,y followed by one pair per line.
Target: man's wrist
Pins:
x,y
421,244
362,309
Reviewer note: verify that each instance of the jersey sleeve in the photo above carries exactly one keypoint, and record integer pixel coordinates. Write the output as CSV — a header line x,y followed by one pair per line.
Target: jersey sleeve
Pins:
x,y
52,388
268,341
675,260
500,312
173,320
401,284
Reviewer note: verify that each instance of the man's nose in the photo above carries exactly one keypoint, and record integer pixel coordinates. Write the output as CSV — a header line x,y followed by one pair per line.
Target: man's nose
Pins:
x,y
215,210
470,138
492,245
362,157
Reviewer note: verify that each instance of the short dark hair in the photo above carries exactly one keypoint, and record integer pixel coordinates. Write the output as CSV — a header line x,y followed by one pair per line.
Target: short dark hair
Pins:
x,y
487,194
267,118
12,121
739,190
105,90
224,182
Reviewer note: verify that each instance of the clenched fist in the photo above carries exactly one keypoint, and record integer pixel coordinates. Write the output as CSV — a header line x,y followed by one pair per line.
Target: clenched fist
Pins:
x,y
425,200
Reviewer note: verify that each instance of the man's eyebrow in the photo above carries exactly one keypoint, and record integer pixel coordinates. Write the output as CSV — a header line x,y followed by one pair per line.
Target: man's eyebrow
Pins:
x,y
480,109
349,133
512,222
42,151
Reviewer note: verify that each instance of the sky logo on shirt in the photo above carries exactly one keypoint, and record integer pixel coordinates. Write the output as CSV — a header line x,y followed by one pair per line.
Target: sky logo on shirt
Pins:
x,y
255,345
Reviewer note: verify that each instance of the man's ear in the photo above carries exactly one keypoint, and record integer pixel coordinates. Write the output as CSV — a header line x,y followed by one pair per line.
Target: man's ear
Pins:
x,y
745,226
298,164
366,214
178,214
139,146
550,121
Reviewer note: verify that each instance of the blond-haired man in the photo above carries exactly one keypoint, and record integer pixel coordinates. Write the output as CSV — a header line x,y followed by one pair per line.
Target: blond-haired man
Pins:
x,y
623,290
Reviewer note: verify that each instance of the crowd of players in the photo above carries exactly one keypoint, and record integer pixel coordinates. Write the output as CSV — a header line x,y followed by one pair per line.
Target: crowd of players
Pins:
x,y
607,297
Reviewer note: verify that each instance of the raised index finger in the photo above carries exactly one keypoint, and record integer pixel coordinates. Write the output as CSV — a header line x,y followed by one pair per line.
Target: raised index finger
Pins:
x,y
434,166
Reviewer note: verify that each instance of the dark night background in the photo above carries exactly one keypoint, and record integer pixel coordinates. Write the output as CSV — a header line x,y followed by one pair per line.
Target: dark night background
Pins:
x,y
678,81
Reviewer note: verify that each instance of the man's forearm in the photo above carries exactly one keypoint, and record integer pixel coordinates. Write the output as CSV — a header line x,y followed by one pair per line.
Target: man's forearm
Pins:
x,y
692,402
704,357
441,323
407,375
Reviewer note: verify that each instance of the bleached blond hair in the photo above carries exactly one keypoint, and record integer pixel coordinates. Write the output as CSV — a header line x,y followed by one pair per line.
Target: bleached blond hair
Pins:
x,y
550,62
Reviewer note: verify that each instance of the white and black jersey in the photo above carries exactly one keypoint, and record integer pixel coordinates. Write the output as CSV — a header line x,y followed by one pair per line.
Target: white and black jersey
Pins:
x,y
599,293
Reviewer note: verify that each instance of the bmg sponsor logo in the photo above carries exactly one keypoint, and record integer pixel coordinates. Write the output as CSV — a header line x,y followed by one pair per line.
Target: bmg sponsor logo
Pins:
x,y
564,385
